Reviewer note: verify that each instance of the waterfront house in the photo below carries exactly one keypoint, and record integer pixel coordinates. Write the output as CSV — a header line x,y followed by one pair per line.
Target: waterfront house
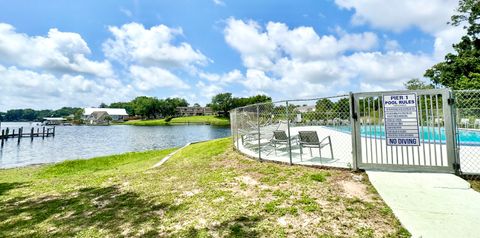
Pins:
x,y
115,114
193,111
98,118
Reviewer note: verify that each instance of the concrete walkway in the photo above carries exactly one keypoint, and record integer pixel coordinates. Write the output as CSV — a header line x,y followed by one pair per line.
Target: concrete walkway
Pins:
x,y
430,205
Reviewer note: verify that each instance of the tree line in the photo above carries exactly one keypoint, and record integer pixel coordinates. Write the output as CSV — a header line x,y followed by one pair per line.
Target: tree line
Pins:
x,y
152,107
143,106
224,102
37,115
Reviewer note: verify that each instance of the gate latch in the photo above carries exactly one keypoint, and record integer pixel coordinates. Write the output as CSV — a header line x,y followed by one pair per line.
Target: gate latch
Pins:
x,y
456,166
451,101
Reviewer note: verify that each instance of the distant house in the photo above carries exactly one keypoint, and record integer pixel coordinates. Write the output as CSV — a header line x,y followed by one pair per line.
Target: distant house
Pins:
x,y
98,116
53,121
304,109
193,111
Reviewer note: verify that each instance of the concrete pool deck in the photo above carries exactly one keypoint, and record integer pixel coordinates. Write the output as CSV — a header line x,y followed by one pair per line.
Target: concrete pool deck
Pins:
x,y
373,150
430,204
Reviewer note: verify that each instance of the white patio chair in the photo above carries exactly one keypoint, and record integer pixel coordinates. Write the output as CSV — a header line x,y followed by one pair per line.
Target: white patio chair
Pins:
x,y
477,123
465,122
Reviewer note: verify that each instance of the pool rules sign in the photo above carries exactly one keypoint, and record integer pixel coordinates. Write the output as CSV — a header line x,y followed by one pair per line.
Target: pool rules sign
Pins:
x,y
401,120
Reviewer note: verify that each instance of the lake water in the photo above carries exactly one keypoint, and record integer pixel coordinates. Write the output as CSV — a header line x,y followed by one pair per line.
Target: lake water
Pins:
x,y
80,142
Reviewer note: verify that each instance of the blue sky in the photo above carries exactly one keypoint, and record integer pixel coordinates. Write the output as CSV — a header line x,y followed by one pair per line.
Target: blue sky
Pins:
x,y
82,53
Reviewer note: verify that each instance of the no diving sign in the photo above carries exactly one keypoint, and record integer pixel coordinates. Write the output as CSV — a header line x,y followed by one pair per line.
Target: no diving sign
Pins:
x,y
401,120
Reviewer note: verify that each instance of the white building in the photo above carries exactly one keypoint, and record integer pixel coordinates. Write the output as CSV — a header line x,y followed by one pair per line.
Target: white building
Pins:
x,y
304,109
117,114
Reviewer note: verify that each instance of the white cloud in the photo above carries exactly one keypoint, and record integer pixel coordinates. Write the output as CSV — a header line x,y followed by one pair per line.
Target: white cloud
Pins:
x,y
301,63
255,47
127,12
29,89
398,15
304,43
61,52
392,45
431,16
148,78
132,43
257,80
226,78
444,40
208,90
219,2
389,70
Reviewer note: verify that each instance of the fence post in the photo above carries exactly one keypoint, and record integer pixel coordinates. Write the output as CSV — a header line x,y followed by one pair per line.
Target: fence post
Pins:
x,y
236,130
289,138
20,134
258,127
355,132
232,125
450,130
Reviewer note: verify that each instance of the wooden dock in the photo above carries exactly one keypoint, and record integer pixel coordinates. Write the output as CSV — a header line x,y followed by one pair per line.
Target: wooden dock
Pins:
x,y
18,134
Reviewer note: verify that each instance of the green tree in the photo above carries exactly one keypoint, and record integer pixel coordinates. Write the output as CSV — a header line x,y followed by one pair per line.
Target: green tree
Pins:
x,y
128,106
342,108
417,84
78,114
324,109
108,118
169,105
222,102
146,107
461,70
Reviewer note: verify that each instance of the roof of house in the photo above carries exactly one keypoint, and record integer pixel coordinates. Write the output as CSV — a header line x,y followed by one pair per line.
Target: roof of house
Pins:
x,y
110,111
97,115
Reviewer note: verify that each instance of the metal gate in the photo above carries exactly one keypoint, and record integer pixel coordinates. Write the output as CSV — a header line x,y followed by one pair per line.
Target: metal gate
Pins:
x,y
432,147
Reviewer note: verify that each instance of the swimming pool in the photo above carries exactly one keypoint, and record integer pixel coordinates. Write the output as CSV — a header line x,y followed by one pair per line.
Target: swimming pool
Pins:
x,y
427,134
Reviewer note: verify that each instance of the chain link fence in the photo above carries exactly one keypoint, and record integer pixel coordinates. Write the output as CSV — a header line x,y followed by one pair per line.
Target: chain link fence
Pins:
x,y
319,131
467,110
313,132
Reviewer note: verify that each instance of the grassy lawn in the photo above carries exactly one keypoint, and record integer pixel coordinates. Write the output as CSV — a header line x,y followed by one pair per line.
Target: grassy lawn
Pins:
x,y
213,120
206,190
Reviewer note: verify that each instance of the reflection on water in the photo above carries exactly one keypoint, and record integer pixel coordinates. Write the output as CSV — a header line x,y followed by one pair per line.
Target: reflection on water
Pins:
x,y
74,142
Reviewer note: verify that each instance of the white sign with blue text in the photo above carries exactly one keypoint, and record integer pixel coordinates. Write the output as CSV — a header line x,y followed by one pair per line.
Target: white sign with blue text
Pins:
x,y
401,120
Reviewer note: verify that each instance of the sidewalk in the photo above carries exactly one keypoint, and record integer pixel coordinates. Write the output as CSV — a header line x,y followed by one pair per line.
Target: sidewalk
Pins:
x,y
430,204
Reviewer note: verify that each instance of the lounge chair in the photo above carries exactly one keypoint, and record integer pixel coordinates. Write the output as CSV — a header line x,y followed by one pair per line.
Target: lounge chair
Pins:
x,y
465,122
477,123
280,138
309,139
438,121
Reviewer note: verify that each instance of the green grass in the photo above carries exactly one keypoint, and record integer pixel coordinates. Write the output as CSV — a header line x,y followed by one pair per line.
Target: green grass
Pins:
x,y
205,190
475,185
212,120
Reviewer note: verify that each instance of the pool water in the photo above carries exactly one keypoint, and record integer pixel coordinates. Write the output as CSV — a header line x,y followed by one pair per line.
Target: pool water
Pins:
x,y
465,137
